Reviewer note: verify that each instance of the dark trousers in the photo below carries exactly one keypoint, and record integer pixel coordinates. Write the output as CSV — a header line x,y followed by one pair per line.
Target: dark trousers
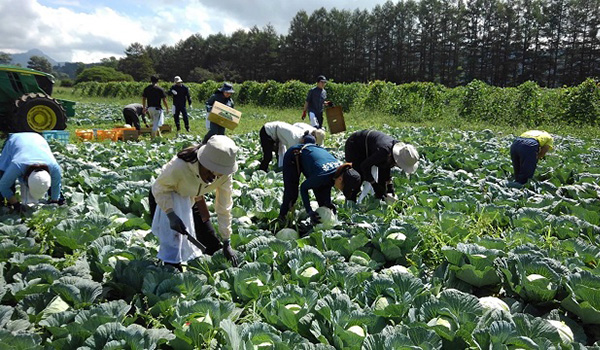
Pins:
x,y
523,153
131,118
184,114
268,146
205,232
291,182
215,129
319,117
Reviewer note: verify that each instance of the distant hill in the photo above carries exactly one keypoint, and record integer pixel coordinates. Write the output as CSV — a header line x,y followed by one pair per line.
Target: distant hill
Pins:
x,y
23,58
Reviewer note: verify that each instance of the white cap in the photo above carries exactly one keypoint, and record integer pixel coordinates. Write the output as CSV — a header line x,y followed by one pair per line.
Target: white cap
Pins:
x,y
39,183
178,79
406,157
218,155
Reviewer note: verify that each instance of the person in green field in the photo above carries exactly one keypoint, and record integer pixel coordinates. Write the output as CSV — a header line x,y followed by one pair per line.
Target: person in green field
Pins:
x,y
178,207
315,100
222,95
525,152
152,97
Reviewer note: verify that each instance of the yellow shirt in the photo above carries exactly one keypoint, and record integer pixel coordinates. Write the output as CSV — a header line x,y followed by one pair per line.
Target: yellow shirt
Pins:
x,y
184,178
544,138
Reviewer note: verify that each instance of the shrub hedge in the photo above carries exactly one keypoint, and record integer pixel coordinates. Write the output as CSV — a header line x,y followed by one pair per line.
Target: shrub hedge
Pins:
x,y
526,104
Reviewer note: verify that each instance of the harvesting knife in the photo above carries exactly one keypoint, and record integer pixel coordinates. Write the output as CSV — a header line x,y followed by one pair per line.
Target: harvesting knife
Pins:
x,y
195,242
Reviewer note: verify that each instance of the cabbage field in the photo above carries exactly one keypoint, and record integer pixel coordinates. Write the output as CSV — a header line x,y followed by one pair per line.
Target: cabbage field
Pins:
x,y
462,260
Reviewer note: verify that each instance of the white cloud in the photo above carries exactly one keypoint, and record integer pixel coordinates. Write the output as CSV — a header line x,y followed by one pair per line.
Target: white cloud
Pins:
x,y
74,30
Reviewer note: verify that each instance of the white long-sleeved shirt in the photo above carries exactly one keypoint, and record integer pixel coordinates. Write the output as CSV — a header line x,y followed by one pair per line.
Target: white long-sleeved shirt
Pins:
x,y
285,134
305,127
184,178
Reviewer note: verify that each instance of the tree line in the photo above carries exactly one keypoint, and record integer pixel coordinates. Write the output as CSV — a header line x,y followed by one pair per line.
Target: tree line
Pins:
x,y
451,42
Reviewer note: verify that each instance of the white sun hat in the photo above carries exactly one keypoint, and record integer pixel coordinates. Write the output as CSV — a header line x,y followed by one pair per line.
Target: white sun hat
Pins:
x,y
406,157
218,155
39,182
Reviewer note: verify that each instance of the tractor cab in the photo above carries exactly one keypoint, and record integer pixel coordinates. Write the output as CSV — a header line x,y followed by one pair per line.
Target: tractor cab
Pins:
x,y
26,103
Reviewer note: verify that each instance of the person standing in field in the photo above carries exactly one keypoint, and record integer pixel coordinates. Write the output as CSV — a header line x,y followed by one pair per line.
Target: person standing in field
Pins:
x,y
280,136
132,112
525,152
322,172
222,95
27,157
315,100
177,203
373,154
152,97
181,95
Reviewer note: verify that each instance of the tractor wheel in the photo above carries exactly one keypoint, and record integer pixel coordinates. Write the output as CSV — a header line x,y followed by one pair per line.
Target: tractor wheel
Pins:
x,y
37,112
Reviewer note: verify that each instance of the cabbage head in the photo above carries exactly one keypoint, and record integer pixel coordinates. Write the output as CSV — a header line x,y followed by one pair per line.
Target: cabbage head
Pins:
x,y
287,234
328,218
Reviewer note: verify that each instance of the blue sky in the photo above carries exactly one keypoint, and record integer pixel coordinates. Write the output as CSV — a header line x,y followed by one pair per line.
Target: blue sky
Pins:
x,y
88,30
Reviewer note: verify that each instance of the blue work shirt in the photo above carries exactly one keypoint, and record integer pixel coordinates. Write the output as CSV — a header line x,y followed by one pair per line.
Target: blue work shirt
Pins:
x,y
22,150
315,98
318,166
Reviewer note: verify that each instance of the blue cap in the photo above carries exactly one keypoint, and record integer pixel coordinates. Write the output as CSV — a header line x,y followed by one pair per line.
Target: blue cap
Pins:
x,y
309,139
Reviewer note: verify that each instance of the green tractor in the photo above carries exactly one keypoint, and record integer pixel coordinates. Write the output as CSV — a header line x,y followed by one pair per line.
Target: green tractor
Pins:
x,y
25,102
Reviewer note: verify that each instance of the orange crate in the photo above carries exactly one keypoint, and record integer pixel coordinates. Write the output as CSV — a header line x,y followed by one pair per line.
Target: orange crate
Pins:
x,y
119,132
84,134
106,135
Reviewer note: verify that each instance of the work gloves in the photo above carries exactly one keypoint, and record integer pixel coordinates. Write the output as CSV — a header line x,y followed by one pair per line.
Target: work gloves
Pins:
x,y
176,224
314,217
303,115
230,253
332,207
390,198
20,208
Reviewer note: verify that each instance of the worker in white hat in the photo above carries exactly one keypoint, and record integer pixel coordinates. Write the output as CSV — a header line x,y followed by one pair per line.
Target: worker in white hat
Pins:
x,y
181,96
27,157
179,194
373,154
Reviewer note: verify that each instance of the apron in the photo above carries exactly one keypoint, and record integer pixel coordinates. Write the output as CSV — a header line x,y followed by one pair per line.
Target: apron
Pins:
x,y
158,117
175,247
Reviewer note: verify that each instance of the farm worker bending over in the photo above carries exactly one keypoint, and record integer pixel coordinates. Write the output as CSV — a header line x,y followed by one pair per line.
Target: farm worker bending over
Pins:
x,y
314,103
222,95
525,152
322,171
179,193
153,95
366,149
282,135
27,157
180,94
132,112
